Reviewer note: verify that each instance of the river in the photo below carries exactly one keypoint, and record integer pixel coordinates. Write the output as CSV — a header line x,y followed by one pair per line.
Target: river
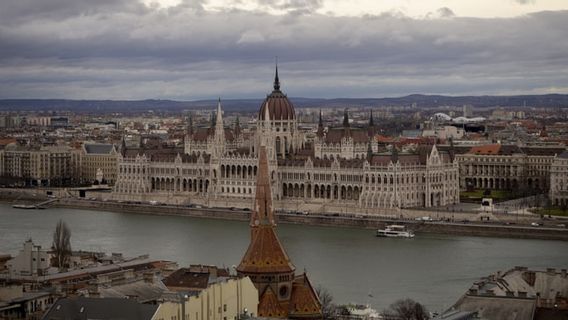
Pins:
x,y
351,263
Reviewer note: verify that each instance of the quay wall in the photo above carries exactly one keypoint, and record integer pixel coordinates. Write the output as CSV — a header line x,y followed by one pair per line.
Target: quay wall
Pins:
x,y
359,221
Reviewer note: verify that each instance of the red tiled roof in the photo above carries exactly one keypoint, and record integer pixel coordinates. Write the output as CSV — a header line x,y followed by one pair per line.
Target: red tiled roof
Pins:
x,y
486,149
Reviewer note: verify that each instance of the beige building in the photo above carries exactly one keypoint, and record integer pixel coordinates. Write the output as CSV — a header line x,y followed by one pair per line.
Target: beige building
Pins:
x,y
42,166
99,158
340,170
507,167
559,180
225,299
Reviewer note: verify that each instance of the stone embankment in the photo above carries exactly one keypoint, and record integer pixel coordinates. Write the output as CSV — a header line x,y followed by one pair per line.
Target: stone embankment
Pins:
x,y
519,229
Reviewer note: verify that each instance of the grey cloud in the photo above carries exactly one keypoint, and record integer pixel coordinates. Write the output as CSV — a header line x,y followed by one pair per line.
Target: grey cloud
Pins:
x,y
185,52
23,10
525,1
304,6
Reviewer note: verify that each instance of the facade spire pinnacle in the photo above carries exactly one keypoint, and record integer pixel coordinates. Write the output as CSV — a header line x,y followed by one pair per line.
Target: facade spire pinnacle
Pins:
x,y
276,80
219,115
320,126
371,121
263,213
345,119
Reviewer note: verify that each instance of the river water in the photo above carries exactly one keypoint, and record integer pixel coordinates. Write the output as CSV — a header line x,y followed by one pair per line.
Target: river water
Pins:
x,y
351,263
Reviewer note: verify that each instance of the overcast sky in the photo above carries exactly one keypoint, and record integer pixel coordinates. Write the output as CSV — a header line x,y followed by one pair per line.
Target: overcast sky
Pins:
x,y
201,49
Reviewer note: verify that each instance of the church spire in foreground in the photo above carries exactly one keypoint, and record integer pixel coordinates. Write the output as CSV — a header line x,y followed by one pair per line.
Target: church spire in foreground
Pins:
x,y
281,293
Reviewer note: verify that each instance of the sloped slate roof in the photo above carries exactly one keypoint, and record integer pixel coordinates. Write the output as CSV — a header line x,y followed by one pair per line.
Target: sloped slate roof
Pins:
x,y
100,308
98,148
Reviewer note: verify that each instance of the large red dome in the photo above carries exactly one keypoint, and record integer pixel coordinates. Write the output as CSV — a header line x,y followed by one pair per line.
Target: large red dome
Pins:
x,y
279,107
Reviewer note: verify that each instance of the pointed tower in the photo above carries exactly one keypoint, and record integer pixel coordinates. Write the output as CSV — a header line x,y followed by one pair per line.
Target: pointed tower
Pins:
x,y
276,80
320,126
287,138
369,151
237,127
190,124
345,119
346,126
219,134
281,293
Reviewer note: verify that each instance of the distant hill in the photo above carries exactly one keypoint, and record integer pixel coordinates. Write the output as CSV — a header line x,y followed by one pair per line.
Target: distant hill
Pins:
x,y
548,100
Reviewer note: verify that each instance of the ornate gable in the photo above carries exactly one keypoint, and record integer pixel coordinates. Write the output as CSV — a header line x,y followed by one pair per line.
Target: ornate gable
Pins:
x,y
304,302
269,306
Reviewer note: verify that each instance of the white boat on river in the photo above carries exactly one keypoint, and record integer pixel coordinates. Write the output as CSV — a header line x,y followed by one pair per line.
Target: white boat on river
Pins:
x,y
395,231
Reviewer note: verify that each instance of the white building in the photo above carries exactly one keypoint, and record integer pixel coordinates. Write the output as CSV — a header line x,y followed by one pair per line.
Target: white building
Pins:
x,y
31,261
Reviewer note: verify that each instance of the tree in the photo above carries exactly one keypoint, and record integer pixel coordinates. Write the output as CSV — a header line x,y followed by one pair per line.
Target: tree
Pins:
x,y
62,245
326,299
406,309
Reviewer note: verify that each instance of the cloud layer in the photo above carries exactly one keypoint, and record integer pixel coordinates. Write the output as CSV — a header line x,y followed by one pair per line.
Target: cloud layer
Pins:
x,y
115,49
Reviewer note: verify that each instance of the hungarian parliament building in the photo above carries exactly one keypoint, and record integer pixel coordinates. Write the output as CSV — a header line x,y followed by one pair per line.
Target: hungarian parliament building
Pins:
x,y
341,169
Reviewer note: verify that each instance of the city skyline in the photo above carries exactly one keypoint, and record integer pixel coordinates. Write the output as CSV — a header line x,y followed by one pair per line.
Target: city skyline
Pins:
x,y
194,50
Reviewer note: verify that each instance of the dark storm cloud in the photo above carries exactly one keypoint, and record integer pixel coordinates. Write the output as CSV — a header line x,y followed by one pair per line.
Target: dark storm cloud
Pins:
x,y
120,49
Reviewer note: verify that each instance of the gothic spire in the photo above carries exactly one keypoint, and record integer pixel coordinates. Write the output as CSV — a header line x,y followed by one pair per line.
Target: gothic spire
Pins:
x,y
371,122
276,80
190,124
345,118
237,126
369,151
263,213
219,118
320,126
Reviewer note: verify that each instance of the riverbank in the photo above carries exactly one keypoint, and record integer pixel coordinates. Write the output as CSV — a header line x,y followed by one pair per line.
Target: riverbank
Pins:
x,y
510,229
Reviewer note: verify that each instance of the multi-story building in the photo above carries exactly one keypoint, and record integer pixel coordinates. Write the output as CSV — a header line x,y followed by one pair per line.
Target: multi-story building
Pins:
x,y
99,159
342,167
31,261
42,166
507,167
559,180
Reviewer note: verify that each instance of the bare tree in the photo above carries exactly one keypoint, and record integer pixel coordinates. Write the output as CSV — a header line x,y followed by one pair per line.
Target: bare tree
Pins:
x,y
326,299
62,245
406,309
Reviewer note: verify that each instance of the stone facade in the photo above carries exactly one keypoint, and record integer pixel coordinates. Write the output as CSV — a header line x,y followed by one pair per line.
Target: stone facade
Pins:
x,y
507,167
47,166
343,167
559,180
96,157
